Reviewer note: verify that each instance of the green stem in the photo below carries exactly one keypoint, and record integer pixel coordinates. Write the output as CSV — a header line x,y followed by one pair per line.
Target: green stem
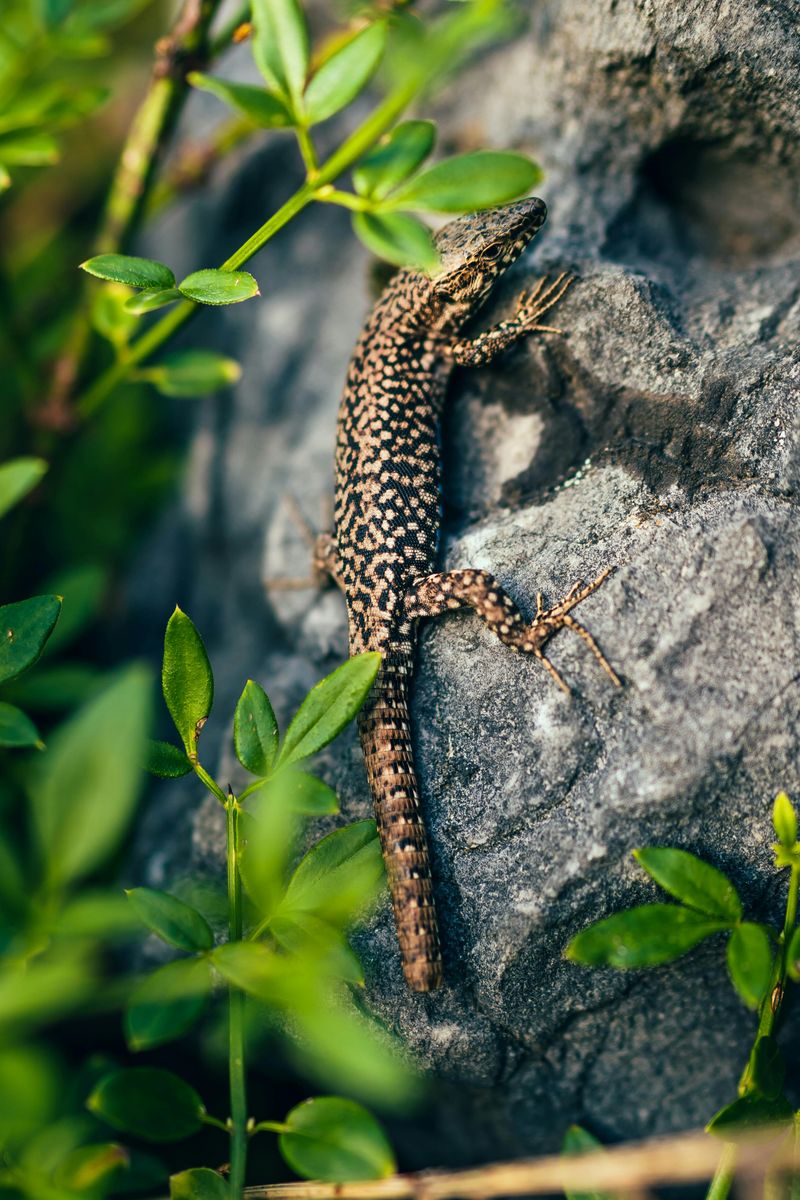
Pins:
x,y
236,1050
203,775
308,152
721,1184
329,195
348,153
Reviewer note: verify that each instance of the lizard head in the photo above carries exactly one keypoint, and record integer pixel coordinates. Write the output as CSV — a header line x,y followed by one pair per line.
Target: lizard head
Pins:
x,y
476,250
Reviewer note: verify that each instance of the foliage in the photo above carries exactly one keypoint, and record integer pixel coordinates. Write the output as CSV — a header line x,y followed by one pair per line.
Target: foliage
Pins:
x,y
761,960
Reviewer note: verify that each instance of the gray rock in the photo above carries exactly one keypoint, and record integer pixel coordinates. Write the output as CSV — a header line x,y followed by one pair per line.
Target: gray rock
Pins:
x,y
661,436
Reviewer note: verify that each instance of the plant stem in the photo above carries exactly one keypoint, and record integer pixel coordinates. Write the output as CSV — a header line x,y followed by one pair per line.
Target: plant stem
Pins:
x,y
348,153
236,1052
151,126
722,1181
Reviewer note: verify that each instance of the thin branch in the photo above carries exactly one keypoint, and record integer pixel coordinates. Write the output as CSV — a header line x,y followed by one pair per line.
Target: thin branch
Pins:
x,y
180,51
687,1158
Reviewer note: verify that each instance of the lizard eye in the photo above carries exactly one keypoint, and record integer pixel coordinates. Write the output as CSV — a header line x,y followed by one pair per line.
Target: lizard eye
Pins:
x,y
493,252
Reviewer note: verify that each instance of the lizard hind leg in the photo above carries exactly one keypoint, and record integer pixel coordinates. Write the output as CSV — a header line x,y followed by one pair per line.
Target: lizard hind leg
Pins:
x,y
325,563
432,595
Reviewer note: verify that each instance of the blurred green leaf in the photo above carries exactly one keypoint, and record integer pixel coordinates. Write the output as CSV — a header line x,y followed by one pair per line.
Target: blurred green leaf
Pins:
x,y
265,844
186,679
280,46
305,933
149,1103
254,969
92,1169
468,182
193,373
17,729
199,1183
28,148
29,1087
24,628
767,1067
82,590
394,158
97,914
793,955
85,792
255,730
689,879
642,937
345,74
171,919
578,1140
110,314
126,268
42,990
17,478
166,761
329,707
336,1140
151,299
750,1112
339,876
298,791
784,819
5,179
55,688
750,962
261,106
212,286
167,1004
397,238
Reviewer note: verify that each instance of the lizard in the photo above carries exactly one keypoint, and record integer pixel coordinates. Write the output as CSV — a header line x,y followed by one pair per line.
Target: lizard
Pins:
x,y
382,552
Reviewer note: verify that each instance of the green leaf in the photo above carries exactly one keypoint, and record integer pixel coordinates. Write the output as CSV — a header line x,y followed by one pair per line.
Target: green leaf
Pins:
x,y
750,1112
17,729
266,842
30,148
468,182
793,955
24,629
151,299
212,286
255,730
767,1068
110,315
398,238
252,968
171,919
17,478
261,106
167,1004
750,962
166,761
689,879
394,158
198,1183
280,46
578,1140
642,937
52,689
126,268
5,179
299,792
784,818
42,990
148,1103
186,679
335,1140
342,76
82,590
97,914
338,876
329,707
304,934
193,373
85,793
92,1168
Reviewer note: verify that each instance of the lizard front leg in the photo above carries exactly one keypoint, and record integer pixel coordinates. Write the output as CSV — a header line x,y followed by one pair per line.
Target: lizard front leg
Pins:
x,y
432,595
477,351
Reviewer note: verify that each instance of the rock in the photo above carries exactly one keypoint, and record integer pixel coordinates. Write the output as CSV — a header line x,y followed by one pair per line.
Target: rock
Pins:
x,y
661,436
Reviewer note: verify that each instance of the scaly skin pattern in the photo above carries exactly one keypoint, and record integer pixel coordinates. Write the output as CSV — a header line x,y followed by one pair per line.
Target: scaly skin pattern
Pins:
x,y
383,551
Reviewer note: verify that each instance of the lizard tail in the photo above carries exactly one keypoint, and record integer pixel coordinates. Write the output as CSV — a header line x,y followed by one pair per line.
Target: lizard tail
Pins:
x,y
386,740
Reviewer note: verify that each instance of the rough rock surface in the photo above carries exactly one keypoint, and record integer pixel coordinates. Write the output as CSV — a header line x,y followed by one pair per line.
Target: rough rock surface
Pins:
x,y
660,435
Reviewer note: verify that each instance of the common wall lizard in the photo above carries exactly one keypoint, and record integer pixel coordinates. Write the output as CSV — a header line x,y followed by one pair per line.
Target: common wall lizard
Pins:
x,y
383,550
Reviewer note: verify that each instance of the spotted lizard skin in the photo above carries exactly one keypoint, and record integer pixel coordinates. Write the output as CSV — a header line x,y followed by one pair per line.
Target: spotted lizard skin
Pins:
x,y
383,550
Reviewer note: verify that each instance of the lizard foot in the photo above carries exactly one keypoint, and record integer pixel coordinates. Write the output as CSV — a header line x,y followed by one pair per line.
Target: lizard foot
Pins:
x,y
533,305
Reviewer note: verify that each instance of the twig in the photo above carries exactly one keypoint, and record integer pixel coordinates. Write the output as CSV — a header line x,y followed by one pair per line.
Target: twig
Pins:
x,y
180,51
194,162
687,1158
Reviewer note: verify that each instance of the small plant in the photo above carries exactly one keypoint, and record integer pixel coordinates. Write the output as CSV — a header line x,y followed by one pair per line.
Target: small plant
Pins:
x,y
762,962
286,946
